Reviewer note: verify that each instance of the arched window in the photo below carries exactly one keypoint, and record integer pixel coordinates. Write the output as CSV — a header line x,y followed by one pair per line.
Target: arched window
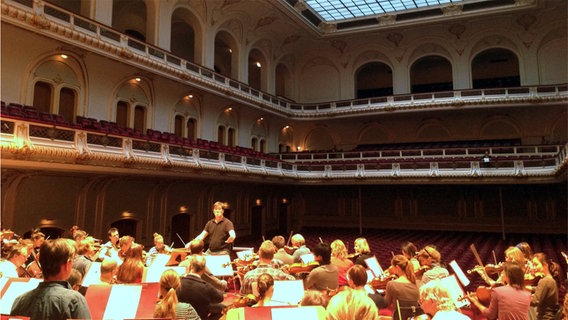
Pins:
x,y
373,79
253,143
42,96
182,42
283,81
495,68
256,70
262,146
431,74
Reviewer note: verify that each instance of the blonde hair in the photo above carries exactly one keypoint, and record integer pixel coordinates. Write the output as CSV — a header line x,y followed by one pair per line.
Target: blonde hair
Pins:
x,y
363,245
166,308
352,304
338,249
405,266
516,255
437,292
430,252
223,205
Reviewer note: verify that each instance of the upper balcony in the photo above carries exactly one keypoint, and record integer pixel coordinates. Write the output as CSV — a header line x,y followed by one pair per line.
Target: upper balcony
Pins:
x,y
77,30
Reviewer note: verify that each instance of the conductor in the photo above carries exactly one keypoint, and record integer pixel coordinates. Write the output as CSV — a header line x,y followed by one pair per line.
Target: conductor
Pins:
x,y
220,230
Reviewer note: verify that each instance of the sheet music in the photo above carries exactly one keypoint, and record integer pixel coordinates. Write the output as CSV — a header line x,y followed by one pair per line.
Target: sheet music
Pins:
x,y
93,275
307,258
154,273
288,292
459,273
123,302
160,260
374,265
456,291
16,288
219,265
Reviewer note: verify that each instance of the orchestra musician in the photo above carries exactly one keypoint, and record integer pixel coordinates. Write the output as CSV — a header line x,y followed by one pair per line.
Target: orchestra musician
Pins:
x,y
510,301
545,296
37,240
340,260
53,298
436,302
409,250
402,292
196,248
201,295
132,269
168,305
14,262
265,256
220,230
159,247
362,251
111,248
357,279
325,276
265,285
430,263
299,243
82,262
281,254
109,268
352,304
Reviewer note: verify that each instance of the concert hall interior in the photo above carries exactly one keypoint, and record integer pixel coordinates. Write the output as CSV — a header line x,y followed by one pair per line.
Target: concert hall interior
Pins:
x,y
443,124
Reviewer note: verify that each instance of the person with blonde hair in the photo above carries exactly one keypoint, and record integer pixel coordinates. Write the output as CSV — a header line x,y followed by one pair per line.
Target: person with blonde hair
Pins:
x,y
168,306
431,265
353,305
340,260
159,247
435,301
362,250
220,231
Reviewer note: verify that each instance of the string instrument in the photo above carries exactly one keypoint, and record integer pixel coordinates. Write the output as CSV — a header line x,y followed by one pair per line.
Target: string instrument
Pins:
x,y
288,248
298,267
482,293
490,269
247,300
420,272
34,268
380,282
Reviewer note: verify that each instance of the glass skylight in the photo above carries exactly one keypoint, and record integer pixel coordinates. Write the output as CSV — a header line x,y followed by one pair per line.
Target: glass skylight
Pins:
x,y
335,10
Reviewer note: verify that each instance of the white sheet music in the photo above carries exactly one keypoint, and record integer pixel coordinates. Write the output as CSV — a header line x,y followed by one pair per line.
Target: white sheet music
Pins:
x,y
459,273
15,289
307,258
456,291
374,265
123,302
154,273
219,265
93,275
288,292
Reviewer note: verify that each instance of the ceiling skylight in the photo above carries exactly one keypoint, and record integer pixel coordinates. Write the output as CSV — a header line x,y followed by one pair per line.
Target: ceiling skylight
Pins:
x,y
337,10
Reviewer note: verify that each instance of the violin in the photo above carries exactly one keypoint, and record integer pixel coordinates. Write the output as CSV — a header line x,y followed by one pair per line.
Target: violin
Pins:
x,y
420,272
490,269
296,268
482,293
247,300
380,282
290,249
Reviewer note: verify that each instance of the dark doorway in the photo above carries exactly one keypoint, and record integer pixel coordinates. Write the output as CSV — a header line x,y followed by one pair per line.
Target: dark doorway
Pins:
x,y
256,223
180,229
126,227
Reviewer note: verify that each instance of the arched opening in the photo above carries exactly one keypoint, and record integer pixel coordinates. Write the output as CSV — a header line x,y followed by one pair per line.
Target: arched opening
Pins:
x,y
283,81
262,146
431,74
495,68
231,137
373,79
256,66
256,223
225,55
180,229
67,104
130,17
182,41
253,143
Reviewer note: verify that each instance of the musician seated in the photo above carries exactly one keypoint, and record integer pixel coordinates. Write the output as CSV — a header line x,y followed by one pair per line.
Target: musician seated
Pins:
x,y
265,287
402,292
429,259
159,247
435,300
111,248
265,255
198,293
357,280
314,298
132,269
281,253
299,242
196,248
340,260
109,268
53,298
125,243
325,276
362,251
75,279
15,261
168,305
37,240
82,262
351,304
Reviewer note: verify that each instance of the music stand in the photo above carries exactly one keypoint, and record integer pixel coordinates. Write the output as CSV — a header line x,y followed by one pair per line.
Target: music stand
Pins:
x,y
12,288
177,256
288,292
455,290
374,266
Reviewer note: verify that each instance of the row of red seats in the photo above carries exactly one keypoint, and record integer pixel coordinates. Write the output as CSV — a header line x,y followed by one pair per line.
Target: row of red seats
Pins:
x,y
18,111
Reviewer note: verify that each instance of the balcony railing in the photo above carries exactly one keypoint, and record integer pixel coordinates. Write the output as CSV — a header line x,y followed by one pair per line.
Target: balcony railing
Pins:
x,y
67,26
71,144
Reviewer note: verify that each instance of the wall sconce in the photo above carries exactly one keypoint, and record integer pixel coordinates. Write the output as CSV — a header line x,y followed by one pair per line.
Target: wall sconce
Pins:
x,y
258,202
299,148
183,209
258,64
137,79
127,214
229,109
284,200
63,56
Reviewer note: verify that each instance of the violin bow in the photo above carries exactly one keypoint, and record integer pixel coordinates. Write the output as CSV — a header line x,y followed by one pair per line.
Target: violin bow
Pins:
x,y
475,254
494,257
177,234
321,241
289,237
